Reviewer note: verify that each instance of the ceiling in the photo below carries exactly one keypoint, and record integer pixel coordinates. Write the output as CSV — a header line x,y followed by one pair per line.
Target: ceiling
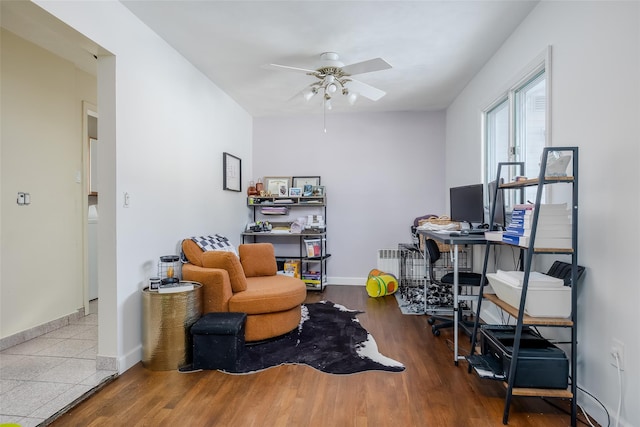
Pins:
x,y
434,47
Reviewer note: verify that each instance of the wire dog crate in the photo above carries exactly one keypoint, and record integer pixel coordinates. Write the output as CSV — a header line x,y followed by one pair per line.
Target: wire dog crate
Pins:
x,y
418,295
412,280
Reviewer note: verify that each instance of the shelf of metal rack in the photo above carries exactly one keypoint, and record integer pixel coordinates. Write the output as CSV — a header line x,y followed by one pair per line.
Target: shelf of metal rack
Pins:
x,y
281,231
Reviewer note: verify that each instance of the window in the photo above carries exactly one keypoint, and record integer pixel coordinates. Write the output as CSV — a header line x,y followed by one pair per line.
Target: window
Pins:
x,y
515,127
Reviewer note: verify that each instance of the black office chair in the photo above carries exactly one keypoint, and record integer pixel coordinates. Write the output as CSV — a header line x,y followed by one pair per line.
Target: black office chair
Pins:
x,y
446,282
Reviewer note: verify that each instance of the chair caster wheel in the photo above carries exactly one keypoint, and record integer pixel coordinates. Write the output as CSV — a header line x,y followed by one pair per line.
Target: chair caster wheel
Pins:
x,y
431,321
436,332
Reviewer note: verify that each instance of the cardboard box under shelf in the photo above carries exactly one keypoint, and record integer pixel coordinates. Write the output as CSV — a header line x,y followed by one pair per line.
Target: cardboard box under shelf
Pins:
x,y
292,267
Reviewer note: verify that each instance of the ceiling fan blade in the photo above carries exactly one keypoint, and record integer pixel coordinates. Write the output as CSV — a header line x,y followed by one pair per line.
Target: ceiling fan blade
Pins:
x,y
365,90
288,68
376,64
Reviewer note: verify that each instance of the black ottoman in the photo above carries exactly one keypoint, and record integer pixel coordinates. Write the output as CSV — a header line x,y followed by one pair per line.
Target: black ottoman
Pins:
x,y
218,340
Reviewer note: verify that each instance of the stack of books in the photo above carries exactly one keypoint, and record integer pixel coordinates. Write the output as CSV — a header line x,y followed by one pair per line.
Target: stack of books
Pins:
x,y
170,288
553,230
312,278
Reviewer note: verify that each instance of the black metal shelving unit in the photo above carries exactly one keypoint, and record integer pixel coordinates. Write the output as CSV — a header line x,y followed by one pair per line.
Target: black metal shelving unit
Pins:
x,y
523,320
317,203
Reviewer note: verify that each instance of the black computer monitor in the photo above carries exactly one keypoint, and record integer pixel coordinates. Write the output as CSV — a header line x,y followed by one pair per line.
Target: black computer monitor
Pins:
x,y
467,203
499,219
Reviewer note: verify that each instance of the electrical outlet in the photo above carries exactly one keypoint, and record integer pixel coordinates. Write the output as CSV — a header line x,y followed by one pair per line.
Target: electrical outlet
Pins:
x,y
617,347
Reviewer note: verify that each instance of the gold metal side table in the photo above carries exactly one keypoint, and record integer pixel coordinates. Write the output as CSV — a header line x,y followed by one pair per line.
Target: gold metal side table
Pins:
x,y
166,323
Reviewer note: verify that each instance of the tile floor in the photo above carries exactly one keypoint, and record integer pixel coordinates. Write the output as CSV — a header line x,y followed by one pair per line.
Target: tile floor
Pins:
x,y
42,376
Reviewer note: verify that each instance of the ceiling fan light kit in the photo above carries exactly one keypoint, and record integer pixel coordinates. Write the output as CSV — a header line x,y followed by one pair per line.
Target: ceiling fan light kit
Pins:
x,y
333,75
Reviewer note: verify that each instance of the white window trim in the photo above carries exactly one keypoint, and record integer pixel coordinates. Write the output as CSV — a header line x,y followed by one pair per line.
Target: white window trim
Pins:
x,y
541,62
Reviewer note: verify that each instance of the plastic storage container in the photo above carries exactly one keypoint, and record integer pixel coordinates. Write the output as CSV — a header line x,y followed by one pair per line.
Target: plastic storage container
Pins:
x,y
546,296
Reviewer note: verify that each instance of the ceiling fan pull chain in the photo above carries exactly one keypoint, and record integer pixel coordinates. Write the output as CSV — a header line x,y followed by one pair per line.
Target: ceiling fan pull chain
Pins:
x,y
324,114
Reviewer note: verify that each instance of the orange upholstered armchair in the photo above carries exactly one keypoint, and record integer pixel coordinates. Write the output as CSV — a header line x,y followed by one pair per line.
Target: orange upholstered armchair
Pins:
x,y
247,284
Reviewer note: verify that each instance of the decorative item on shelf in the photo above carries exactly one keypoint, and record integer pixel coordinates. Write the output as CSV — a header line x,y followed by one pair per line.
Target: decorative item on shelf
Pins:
x,y
303,181
259,187
277,186
318,191
557,163
154,283
169,268
251,189
259,226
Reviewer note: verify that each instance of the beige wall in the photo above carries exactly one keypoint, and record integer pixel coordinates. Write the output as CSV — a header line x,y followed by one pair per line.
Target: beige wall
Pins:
x,y
41,153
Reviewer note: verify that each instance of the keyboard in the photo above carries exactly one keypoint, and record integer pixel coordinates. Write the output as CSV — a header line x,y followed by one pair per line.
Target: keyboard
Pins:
x,y
476,231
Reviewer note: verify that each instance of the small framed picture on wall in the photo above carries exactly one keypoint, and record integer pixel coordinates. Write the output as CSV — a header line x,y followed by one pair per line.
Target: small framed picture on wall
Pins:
x,y
231,172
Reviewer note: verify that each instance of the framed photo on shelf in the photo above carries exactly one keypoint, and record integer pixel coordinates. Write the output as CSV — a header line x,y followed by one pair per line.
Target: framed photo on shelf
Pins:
x,y
295,192
307,190
231,172
318,191
277,186
301,181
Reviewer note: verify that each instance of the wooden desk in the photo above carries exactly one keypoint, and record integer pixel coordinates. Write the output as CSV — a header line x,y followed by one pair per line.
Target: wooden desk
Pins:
x,y
454,242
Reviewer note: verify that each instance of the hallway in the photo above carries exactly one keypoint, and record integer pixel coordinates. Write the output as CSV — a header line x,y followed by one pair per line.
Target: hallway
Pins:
x,y
42,376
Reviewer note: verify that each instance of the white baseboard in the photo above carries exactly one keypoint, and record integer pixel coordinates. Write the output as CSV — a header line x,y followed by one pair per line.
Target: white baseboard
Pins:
x,y
347,281
130,359
39,330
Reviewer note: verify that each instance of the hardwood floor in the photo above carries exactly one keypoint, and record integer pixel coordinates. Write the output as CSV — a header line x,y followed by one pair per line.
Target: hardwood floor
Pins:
x,y
432,391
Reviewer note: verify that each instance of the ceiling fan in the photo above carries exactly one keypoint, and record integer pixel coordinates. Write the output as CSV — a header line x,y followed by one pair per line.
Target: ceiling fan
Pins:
x,y
333,77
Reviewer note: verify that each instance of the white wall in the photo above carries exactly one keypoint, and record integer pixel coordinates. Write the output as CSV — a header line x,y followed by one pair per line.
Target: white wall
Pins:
x,y
380,172
163,127
41,146
595,104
